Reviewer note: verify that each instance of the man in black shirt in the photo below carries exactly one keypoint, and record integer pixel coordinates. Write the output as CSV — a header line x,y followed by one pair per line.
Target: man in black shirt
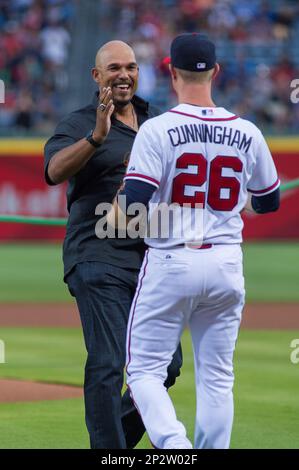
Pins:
x,y
90,149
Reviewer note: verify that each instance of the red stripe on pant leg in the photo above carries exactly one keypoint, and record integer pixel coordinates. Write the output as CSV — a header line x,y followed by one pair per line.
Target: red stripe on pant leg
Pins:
x,y
133,312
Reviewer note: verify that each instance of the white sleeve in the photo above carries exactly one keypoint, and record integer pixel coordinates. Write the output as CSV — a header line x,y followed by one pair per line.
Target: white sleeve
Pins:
x,y
264,178
145,161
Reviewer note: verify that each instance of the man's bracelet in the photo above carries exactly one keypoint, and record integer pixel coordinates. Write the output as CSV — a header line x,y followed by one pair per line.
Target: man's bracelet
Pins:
x,y
91,140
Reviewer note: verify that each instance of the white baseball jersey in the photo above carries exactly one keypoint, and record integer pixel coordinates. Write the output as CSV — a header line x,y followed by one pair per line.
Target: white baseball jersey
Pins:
x,y
203,156
193,156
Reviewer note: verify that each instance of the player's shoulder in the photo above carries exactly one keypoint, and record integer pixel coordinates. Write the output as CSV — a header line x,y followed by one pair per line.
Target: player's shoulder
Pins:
x,y
248,126
158,122
153,131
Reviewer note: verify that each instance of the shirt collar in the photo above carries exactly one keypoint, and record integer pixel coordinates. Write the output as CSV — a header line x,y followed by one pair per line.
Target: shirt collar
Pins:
x,y
208,113
139,103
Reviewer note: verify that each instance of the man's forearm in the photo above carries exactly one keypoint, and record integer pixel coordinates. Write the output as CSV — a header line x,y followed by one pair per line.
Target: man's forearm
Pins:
x,y
68,161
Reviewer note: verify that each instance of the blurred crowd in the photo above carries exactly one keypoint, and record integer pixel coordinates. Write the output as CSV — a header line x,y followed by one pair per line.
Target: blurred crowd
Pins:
x,y
34,44
257,43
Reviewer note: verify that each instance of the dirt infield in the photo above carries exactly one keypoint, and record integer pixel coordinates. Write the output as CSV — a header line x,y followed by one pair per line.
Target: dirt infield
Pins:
x,y
12,391
255,316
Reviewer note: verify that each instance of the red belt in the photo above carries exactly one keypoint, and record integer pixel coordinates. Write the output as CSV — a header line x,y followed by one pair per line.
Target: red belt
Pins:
x,y
204,246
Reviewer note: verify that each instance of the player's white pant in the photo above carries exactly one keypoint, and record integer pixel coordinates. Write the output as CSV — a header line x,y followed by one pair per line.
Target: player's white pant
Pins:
x,y
181,286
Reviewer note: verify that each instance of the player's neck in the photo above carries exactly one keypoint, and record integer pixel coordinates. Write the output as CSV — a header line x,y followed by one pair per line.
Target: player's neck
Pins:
x,y
197,96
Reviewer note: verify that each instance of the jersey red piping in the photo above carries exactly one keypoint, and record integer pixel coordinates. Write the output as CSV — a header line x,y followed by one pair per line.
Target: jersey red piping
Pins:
x,y
205,119
139,286
261,191
139,175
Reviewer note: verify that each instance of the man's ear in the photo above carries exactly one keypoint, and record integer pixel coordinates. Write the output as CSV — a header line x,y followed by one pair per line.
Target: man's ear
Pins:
x,y
96,75
173,72
216,71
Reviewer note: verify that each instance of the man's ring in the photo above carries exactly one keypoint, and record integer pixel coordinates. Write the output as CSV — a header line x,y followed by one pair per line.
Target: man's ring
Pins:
x,y
102,106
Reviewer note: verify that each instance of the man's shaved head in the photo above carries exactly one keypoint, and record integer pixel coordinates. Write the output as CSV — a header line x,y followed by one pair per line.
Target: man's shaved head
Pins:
x,y
116,67
112,49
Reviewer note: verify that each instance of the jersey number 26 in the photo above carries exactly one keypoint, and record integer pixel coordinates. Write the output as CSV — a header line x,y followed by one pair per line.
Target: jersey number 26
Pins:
x,y
215,184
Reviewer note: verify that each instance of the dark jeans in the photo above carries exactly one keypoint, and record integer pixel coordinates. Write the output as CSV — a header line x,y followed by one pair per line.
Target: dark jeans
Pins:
x,y
104,294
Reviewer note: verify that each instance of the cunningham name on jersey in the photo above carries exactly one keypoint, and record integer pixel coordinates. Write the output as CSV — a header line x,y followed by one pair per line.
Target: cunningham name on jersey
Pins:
x,y
222,135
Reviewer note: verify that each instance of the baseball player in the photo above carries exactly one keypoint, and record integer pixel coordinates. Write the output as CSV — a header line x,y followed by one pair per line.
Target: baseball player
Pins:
x,y
196,154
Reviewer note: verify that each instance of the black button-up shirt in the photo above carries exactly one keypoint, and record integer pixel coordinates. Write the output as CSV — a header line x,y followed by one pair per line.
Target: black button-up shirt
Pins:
x,y
97,182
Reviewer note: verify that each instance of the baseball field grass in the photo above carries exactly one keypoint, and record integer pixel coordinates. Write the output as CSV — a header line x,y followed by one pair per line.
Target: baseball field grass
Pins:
x,y
266,387
266,390
33,273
